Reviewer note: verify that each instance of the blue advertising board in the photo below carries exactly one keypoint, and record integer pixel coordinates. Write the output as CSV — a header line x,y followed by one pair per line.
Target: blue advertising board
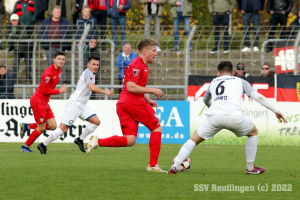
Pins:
x,y
174,117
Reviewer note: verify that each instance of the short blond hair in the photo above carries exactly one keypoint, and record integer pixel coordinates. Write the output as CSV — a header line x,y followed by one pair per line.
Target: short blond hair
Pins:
x,y
86,6
144,43
56,7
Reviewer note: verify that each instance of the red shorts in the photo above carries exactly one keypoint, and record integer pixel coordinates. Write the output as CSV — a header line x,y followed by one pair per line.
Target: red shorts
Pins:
x,y
131,114
41,111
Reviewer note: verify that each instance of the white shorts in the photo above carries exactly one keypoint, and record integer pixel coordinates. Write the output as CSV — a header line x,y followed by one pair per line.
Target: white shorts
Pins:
x,y
73,111
238,124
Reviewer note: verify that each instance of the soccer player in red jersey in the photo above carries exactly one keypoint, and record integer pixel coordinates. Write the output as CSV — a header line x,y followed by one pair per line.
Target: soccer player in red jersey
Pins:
x,y
42,112
134,107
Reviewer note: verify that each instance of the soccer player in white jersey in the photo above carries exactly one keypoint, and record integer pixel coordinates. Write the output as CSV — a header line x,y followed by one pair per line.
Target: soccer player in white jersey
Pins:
x,y
76,106
223,99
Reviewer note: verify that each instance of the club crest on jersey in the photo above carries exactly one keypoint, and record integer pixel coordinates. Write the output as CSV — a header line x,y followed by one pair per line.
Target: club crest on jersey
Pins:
x,y
41,119
71,122
135,72
47,78
91,78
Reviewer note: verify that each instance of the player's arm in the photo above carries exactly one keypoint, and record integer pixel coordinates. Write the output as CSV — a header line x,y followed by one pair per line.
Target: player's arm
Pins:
x,y
207,97
134,88
94,88
46,82
47,91
251,92
89,79
268,104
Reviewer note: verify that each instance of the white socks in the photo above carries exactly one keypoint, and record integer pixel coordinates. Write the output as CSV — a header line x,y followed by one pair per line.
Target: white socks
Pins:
x,y
184,152
90,128
53,136
251,148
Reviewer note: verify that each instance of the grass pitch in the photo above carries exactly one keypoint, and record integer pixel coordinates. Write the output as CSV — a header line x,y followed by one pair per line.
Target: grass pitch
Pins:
x,y
120,173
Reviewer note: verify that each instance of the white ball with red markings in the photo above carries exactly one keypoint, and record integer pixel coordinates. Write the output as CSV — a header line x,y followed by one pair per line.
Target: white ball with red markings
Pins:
x,y
185,165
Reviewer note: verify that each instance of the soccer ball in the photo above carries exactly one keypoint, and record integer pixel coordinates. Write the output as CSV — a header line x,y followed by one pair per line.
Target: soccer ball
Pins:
x,y
185,165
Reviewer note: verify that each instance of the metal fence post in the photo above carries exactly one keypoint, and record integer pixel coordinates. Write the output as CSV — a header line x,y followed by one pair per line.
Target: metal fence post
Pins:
x,y
112,69
80,47
73,65
187,59
296,71
33,63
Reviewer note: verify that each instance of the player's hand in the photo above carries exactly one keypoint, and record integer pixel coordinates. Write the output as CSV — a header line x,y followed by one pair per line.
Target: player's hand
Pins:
x,y
63,89
153,103
157,92
280,116
109,92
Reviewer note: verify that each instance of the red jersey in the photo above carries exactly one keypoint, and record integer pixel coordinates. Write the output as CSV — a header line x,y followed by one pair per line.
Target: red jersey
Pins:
x,y
48,83
136,72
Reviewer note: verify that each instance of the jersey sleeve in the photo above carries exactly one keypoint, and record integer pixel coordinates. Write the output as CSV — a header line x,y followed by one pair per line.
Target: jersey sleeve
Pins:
x,y
207,97
207,93
46,84
133,74
89,77
248,89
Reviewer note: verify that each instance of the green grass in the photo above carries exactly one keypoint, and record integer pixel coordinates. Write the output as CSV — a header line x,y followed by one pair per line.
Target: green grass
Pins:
x,y
263,139
120,173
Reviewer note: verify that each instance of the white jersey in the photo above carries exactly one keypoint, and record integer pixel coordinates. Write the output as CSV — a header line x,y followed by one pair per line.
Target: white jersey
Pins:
x,y
226,95
82,93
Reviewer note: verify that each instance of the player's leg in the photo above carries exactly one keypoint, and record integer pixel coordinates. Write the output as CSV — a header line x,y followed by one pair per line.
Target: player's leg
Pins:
x,y
185,151
33,136
206,130
155,145
128,139
90,128
243,126
42,147
89,115
129,129
251,149
25,127
54,135
71,113
40,111
145,114
113,141
45,110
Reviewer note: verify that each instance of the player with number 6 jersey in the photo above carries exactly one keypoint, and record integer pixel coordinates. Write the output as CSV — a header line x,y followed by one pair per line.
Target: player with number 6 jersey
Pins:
x,y
134,107
42,112
223,99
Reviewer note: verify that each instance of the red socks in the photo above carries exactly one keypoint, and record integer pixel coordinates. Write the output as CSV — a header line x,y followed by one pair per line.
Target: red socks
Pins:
x,y
121,141
33,136
154,146
113,141
34,126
